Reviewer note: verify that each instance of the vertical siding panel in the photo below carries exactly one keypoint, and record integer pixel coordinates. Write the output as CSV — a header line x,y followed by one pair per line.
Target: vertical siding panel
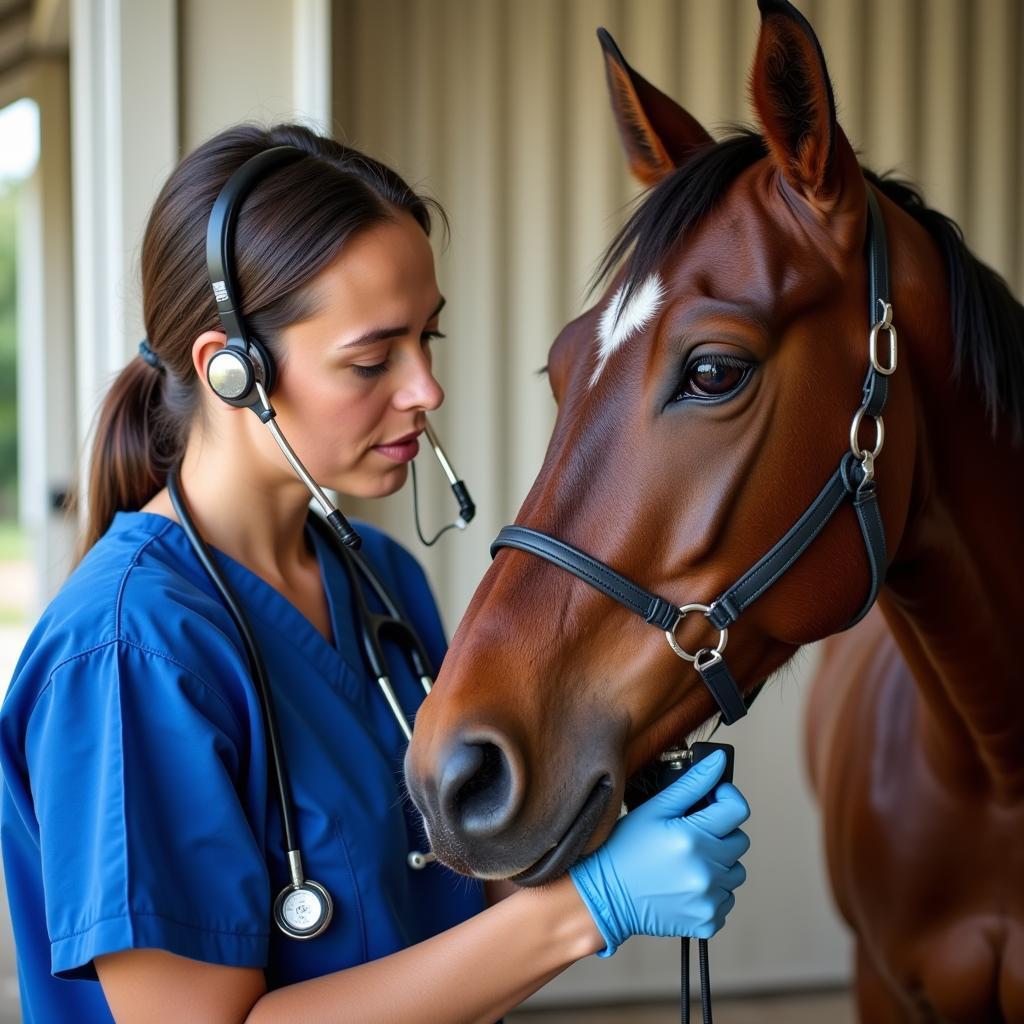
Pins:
x,y
841,28
942,170
364,110
372,111
593,151
391,81
707,45
649,31
1017,127
343,77
423,163
652,29
427,71
620,24
992,188
890,73
469,125
533,197
746,26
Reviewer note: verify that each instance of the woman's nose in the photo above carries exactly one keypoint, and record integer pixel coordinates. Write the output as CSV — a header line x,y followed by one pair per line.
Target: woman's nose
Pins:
x,y
421,390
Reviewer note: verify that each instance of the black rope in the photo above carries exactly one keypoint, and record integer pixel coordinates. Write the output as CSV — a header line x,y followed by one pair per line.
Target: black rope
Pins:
x,y
705,980
684,980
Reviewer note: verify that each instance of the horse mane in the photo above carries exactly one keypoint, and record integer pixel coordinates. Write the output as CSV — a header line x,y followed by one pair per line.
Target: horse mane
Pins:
x,y
987,320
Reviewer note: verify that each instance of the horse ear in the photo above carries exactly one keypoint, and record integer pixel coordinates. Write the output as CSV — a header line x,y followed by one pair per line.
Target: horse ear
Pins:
x,y
657,133
792,95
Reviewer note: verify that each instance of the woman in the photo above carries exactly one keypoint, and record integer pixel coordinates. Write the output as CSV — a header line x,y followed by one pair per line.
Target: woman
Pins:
x,y
142,835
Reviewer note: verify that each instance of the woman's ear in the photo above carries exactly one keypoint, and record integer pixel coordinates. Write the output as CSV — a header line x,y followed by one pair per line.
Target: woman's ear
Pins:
x,y
657,134
203,350
792,95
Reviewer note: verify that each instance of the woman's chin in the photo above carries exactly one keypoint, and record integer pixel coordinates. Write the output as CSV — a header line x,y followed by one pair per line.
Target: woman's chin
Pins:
x,y
371,485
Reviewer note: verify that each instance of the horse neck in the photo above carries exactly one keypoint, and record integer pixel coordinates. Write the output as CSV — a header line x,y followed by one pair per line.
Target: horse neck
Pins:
x,y
954,597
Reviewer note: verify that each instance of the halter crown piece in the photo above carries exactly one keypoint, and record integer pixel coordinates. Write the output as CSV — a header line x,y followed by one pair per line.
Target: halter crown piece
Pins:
x,y
853,480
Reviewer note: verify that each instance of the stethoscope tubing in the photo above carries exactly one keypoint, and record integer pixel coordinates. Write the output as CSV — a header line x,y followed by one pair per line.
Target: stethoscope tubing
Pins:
x,y
257,667
371,626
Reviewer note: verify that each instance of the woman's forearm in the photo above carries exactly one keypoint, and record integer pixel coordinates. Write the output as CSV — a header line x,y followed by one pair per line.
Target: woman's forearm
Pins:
x,y
476,971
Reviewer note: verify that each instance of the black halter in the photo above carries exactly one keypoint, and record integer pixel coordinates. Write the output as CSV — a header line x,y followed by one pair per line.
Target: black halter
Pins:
x,y
852,481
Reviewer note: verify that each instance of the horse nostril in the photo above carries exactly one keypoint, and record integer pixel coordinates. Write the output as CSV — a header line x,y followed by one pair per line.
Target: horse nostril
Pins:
x,y
479,791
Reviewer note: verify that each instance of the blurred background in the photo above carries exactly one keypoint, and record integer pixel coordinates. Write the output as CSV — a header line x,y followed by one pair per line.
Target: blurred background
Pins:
x,y
497,108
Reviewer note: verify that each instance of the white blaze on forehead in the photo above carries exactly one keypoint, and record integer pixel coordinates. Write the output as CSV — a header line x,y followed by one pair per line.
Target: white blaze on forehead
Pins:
x,y
620,322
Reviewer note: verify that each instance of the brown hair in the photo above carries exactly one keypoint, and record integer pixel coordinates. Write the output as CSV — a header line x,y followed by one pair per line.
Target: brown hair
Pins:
x,y
293,224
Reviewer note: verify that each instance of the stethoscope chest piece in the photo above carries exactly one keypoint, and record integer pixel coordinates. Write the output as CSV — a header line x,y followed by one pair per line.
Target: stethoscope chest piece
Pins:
x,y
303,910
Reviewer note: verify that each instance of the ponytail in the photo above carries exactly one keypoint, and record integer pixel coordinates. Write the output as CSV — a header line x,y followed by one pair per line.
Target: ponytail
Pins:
x,y
136,442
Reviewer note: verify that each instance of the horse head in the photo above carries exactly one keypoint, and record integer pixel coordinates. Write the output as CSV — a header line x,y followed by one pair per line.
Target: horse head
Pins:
x,y
702,403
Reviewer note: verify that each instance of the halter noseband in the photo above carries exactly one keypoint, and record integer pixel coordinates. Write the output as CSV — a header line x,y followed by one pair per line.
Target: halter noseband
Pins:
x,y
852,481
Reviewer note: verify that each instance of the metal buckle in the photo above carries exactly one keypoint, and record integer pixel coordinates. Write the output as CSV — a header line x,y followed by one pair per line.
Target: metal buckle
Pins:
x,y
706,657
868,466
670,634
885,324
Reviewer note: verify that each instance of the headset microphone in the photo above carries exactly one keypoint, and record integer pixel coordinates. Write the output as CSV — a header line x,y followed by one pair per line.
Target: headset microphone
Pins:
x,y
466,507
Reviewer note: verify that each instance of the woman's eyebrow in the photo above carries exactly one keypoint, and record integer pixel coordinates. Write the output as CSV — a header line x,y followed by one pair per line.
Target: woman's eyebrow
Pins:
x,y
383,333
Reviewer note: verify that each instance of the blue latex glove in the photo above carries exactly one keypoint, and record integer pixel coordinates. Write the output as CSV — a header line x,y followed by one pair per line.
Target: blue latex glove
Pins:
x,y
660,873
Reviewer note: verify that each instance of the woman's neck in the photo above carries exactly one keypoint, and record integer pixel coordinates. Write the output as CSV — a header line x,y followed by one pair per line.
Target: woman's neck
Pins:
x,y
244,505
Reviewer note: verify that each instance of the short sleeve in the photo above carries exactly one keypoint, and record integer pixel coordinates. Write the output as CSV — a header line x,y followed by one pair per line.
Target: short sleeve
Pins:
x,y
151,812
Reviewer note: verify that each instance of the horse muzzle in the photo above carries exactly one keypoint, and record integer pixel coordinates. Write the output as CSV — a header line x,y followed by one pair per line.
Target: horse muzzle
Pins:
x,y
483,818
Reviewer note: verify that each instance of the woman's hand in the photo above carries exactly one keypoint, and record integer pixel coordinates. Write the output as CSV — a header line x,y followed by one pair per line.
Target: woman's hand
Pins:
x,y
663,872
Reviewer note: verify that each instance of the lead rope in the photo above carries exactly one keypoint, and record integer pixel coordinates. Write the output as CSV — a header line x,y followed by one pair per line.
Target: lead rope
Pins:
x,y
705,980
670,764
684,977
684,980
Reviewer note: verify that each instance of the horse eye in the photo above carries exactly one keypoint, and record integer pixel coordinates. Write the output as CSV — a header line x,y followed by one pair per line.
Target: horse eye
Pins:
x,y
712,376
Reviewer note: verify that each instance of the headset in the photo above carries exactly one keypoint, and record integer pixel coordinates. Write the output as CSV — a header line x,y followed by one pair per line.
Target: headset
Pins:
x,y
242,374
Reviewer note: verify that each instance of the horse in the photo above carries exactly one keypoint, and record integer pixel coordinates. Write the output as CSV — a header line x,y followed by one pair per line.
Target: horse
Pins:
x,y
709,402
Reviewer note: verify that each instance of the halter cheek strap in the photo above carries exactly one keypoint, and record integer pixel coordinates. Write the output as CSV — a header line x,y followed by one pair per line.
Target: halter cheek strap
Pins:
x,y
853,481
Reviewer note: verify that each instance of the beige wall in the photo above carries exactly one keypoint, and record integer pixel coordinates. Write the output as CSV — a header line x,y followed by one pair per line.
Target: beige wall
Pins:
x,y
235,65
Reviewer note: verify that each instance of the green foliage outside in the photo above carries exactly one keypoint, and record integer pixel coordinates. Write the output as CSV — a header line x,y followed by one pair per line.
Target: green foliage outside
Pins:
x,y
8,351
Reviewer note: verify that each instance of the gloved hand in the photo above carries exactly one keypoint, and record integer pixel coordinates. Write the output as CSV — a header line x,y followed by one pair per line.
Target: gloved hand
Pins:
x,y
660,873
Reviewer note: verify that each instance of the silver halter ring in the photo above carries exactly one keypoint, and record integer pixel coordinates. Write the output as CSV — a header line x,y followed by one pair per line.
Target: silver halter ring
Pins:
x,y
885,324
855,447
670,634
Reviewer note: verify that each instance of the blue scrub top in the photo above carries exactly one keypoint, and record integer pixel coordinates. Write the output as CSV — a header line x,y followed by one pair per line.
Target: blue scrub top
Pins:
x,y
137,808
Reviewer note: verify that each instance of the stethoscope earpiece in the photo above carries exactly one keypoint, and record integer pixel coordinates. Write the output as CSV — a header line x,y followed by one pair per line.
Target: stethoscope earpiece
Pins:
x,y
230,376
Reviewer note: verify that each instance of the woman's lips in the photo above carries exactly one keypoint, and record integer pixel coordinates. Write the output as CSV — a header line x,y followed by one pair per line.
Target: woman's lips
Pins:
x,y
403,449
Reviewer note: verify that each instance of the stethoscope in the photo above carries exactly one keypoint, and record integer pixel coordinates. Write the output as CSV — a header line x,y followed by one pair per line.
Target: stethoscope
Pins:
x,y
304,908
